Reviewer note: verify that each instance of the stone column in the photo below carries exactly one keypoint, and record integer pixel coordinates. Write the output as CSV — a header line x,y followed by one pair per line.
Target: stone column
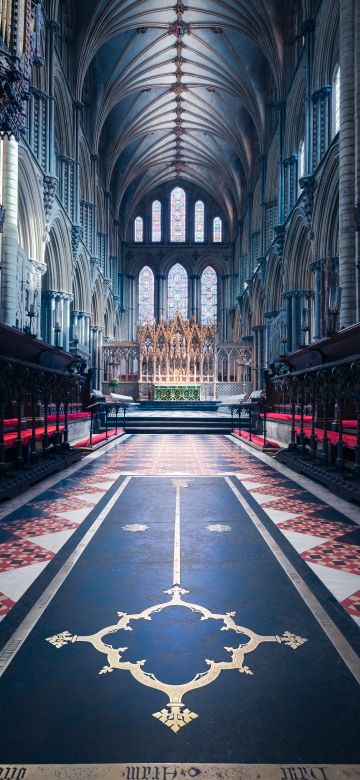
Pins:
x,y
77,117
10,232
347,273
94,160
224,308
66,321
315,268
194,297
159,297
52,28
288,296
294,321
308,29
131,313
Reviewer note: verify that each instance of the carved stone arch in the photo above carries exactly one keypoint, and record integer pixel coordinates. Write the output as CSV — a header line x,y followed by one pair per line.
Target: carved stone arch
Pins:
x,y
274,283
257,303
82,284
326,208
63,112
326,51
31,221
295,115
216,262
297,254
97,304
58,256
247,314
173,259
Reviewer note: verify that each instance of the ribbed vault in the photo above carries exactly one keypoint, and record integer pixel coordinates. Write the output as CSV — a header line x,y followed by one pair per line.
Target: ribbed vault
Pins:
x,y
179,90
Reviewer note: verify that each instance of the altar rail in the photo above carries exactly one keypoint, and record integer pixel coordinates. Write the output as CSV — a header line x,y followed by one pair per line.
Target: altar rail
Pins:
x,y
322,407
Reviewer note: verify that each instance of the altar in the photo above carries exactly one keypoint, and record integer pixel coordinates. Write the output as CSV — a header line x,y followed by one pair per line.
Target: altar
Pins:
x,y
176,392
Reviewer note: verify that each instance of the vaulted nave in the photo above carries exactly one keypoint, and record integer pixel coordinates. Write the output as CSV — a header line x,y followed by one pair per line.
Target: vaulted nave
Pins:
x,y
175,540
179,389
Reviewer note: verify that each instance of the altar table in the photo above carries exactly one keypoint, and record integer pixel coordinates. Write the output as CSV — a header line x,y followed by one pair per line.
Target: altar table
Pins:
x,y
177,392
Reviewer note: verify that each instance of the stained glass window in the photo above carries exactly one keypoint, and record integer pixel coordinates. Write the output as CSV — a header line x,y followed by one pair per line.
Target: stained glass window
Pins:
x,y
178,214
146,295
177,292
208,296
199,220
156,221
217,230
138,229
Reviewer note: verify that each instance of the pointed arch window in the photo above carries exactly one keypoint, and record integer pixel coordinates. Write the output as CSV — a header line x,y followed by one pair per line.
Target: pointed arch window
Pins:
x,y
336,99
217,230
138,230
199,221
177,292
146,295
208,296
156,221
177,215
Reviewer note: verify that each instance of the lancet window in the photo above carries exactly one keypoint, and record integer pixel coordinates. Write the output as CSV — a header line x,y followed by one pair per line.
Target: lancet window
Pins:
x,y
146,295
217,230
178,215
138,230
199,221
208,296
177,291
156,221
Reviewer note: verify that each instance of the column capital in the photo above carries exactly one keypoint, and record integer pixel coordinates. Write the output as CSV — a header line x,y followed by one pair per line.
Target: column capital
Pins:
x,y
315,265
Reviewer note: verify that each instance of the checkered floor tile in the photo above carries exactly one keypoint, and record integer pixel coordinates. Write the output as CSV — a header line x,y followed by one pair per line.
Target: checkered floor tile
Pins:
x,y
36,526
336,555
6,605
352,604
18,552
317,526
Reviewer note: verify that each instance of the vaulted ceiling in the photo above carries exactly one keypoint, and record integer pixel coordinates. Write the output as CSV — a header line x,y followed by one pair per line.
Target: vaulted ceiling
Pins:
x,y
180,92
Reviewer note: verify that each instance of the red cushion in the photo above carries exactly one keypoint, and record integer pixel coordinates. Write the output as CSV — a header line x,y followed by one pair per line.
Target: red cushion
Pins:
x,y
9,423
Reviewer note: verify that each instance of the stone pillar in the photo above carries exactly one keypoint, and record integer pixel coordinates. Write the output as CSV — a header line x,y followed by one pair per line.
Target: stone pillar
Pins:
x,y
308,29
94,160
316,269
347,274
194,297
159,297
294,321
224,308
10,232
77,117
52,28
66,321
288,319
131,312
263,168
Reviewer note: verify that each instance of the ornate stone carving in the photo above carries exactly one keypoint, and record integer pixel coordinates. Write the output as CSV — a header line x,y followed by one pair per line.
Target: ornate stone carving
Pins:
x,y
308,187
279,231
50,184
76,237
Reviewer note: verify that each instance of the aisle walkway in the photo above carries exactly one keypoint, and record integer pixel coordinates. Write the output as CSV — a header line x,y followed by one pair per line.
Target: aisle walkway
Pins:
x,y
135,591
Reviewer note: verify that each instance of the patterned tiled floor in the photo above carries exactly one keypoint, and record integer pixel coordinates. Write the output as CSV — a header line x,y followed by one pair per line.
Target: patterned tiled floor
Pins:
x,y
328,541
